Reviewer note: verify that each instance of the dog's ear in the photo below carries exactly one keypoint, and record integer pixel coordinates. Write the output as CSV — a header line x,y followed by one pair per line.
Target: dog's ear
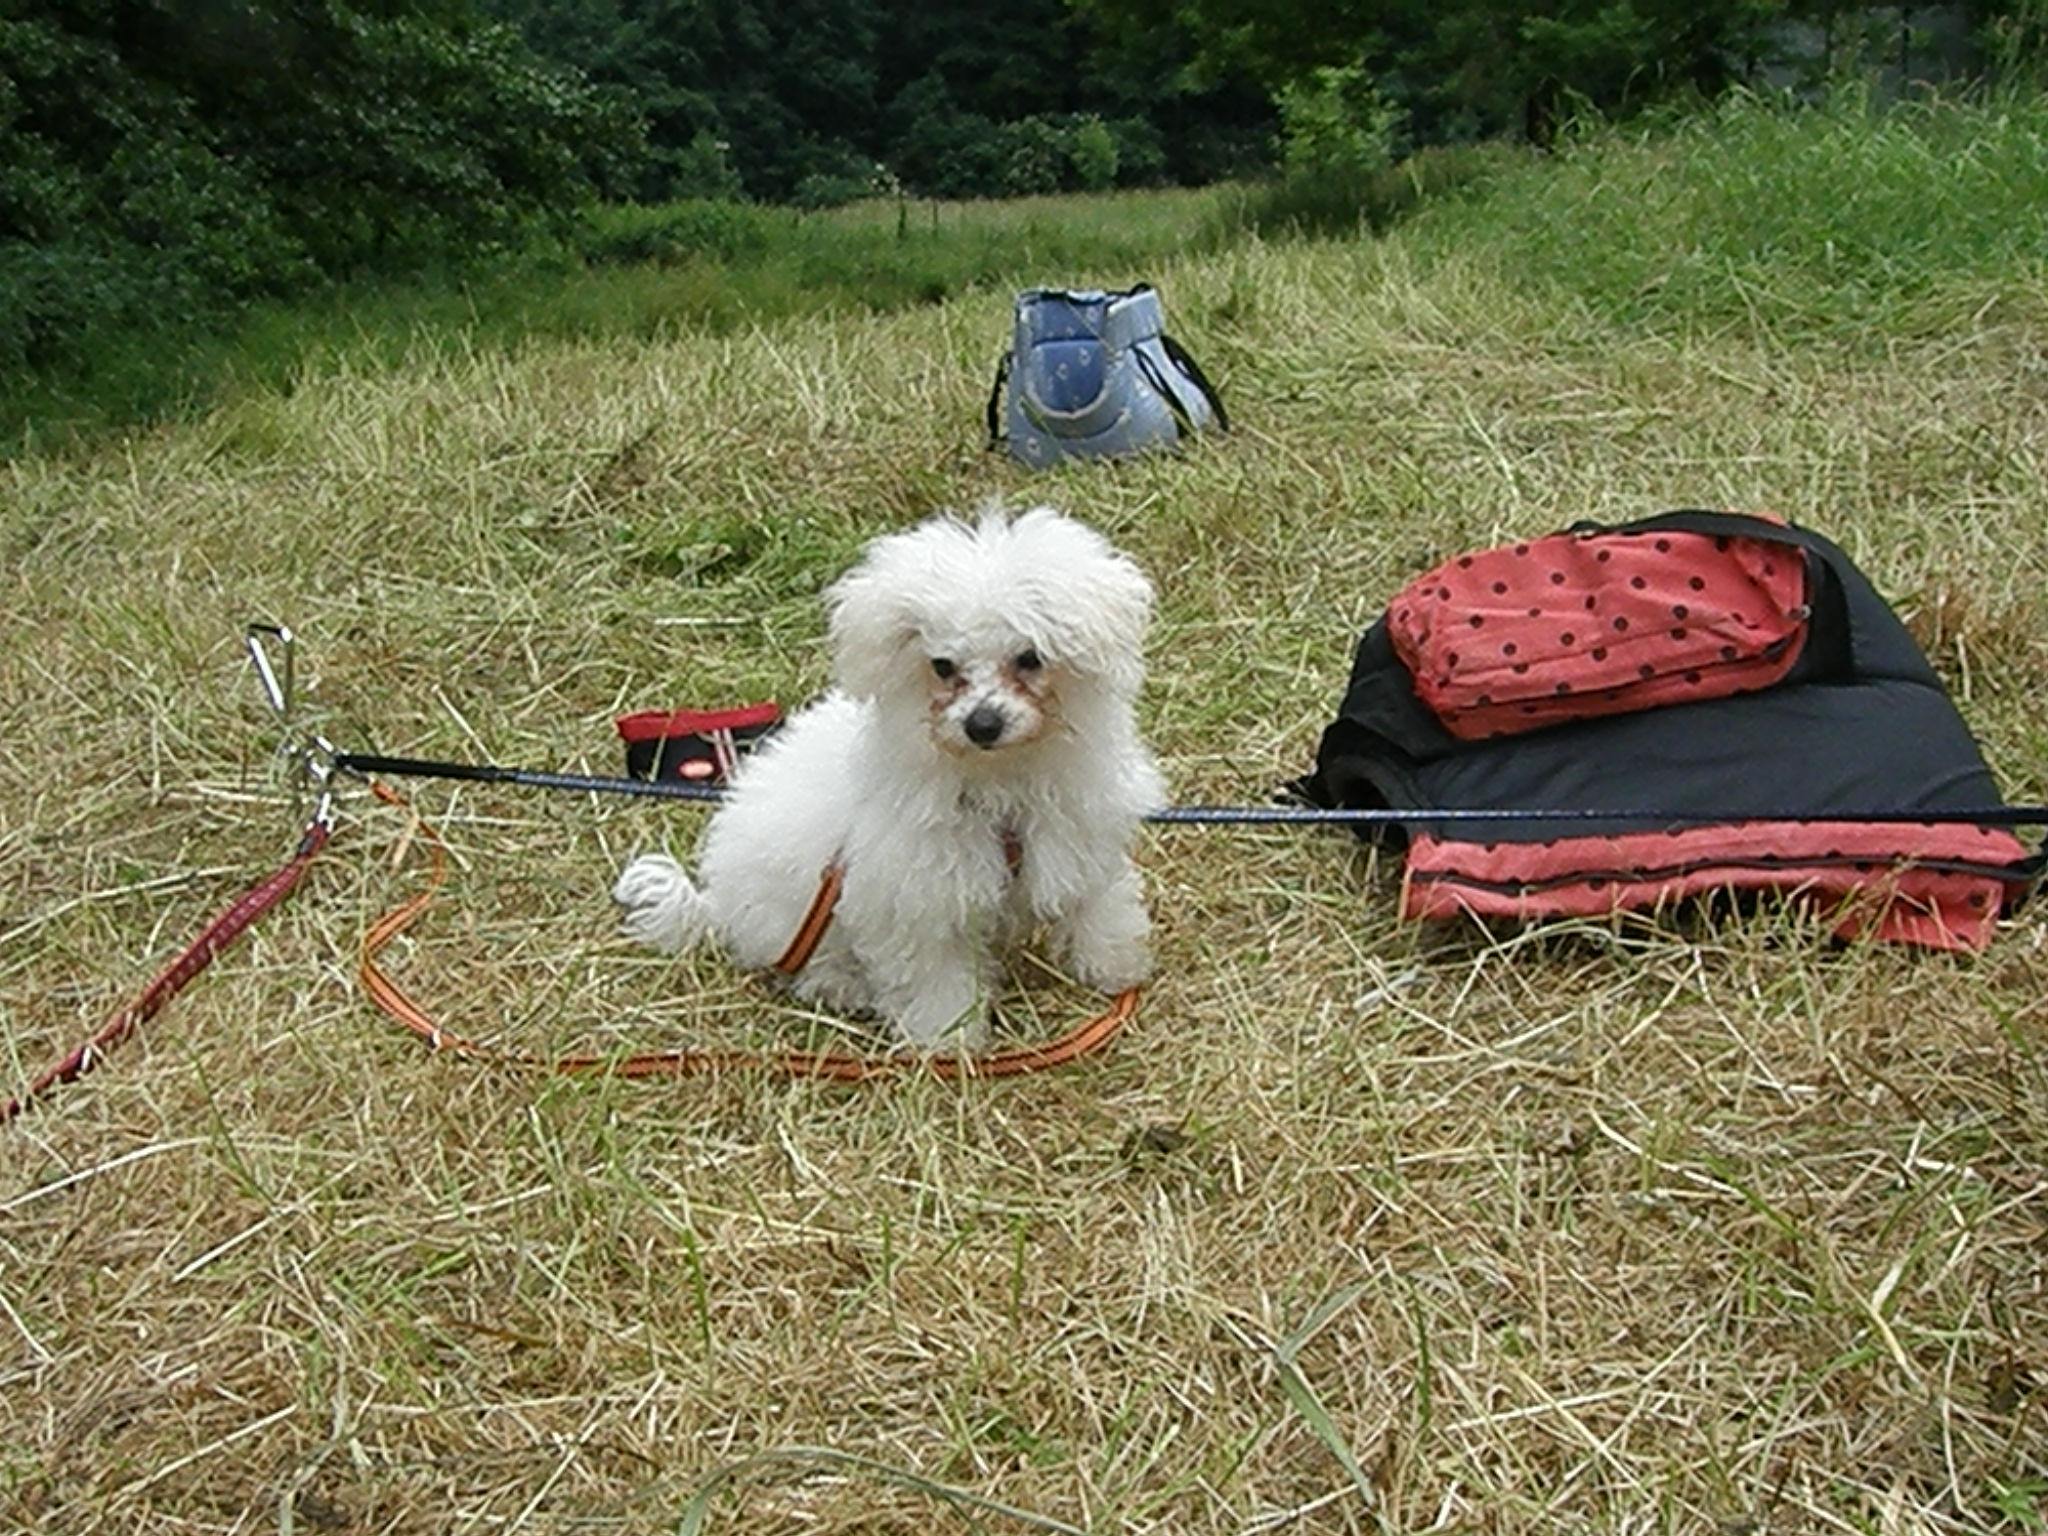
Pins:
x,y
1112,610
1096,605
873,625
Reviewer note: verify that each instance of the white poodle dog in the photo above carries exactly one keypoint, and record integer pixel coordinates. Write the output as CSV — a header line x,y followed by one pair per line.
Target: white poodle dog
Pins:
x,y
974,772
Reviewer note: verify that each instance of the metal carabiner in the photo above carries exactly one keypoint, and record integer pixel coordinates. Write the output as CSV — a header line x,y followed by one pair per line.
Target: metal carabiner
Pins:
x,y
279,690
312,757
317,768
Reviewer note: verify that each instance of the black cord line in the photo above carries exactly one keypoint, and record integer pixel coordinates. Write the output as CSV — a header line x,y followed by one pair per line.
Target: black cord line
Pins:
x,y
1230,815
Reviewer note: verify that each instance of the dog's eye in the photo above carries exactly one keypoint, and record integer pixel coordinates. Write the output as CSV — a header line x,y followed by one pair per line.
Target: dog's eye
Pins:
x,y
1028,660
943,668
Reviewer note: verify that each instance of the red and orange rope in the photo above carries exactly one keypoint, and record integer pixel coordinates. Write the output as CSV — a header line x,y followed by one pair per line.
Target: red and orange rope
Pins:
x,y
196,957
1090,1035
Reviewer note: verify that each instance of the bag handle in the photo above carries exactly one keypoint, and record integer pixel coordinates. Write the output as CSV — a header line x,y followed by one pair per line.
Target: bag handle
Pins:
x,y
1163,390
1187,365
995,401
1193,371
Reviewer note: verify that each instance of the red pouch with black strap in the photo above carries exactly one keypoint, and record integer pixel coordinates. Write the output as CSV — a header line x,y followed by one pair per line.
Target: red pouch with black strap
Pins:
x,y
697,746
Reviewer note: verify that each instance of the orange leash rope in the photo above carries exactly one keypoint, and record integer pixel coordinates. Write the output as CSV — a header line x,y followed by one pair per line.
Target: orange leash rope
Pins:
x,y
817,918
1090,1035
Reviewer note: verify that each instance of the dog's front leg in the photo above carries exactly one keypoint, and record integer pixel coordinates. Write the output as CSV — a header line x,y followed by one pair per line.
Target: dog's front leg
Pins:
x,y
936,998
1104,938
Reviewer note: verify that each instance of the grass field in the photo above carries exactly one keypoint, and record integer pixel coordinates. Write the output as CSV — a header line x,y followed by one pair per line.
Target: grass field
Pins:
x,y
1628,1227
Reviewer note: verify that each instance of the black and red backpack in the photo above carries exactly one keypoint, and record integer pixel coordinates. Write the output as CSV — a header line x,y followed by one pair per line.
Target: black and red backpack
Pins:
x,y
1731,688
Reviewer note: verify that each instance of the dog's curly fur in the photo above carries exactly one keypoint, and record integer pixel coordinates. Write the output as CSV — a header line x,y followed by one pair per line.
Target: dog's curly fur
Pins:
x,y
975,770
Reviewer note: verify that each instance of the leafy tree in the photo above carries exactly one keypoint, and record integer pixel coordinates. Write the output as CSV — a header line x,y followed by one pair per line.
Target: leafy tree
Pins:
x,y
939,147
1464,68
168,157
775,82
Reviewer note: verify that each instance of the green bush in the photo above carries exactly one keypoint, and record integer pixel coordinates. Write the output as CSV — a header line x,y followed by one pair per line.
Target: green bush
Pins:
x,y
1342,202
1095,153
1034,155
625,233
840,177
702,169
1337,123
1140,152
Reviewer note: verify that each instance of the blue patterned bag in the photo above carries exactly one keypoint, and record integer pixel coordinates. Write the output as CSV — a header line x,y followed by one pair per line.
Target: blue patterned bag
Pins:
x,y
1091,374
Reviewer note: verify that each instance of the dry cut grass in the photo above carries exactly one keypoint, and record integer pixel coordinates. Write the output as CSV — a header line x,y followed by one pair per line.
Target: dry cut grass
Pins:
x,y
1703,1226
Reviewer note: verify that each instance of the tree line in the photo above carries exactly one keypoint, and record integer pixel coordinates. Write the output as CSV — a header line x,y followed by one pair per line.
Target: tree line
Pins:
x,y
813,101
1462,69
171,158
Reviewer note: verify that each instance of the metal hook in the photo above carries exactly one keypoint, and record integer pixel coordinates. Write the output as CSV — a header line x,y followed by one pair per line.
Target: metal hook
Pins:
x,y
278,690
313,757
317,767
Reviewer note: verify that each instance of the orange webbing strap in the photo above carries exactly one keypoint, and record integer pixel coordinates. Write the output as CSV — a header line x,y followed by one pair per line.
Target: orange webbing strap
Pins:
x,y
817,918
1091,1035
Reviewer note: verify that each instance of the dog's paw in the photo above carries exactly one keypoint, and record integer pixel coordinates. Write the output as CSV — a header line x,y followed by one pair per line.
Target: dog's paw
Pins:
x,y
968,1035
1111,968
1107,943
659,906
938,1008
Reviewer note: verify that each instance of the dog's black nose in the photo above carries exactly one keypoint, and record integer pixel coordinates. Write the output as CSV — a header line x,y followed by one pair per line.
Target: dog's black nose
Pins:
x,y
984,725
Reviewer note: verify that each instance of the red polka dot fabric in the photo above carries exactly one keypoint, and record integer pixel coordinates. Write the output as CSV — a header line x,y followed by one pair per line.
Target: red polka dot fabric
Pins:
x,y
1583,624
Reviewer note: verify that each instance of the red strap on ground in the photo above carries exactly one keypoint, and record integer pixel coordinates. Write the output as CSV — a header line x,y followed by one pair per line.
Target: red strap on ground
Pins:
x,y
216,936
1090,1035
